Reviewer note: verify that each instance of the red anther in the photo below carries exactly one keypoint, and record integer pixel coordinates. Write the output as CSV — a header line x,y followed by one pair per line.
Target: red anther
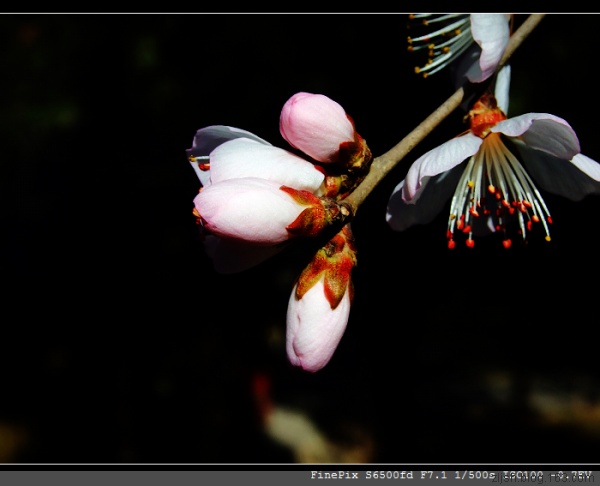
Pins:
x,y
486,211
491,189
535,218
549,219
470,243
506,243
474,212
498,195
522,208
467,229
460,223
449,234
451,244
529,225
511,210
505,203
205,166
498,227
527,203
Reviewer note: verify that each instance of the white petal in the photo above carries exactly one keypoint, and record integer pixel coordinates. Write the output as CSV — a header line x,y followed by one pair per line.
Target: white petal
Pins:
x,y
587,165
426,205
542,131
573,179
243,157
491,32
438,160
203,175
209,138
502,88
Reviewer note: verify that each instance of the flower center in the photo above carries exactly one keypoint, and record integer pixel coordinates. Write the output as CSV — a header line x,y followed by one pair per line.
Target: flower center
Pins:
x,y
493,193
484,115
445,44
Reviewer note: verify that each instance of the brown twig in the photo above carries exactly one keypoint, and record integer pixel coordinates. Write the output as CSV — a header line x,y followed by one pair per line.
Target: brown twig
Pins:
x,y
383,164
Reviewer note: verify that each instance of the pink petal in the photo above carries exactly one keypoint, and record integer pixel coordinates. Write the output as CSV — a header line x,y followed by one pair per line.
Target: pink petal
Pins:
x,y
252,210
243,157
315,124
314,330
438,160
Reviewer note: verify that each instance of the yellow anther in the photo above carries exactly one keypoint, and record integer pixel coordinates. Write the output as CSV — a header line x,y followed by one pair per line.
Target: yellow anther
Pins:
x,y
470,184
548,238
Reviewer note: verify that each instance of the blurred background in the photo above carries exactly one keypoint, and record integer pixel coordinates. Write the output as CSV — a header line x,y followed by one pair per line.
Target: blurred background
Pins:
x,y
121,344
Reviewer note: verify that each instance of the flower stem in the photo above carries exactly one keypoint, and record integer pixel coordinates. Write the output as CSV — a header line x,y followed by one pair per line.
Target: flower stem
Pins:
x,y
383,164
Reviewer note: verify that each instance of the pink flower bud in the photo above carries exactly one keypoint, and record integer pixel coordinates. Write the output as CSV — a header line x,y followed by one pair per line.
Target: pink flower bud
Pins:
x,y
315,124
251,209
314,329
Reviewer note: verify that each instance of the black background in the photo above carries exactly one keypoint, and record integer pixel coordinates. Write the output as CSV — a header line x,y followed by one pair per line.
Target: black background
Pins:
x,y
119,343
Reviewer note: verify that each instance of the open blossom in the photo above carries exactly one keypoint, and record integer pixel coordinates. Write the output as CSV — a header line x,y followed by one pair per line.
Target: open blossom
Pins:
x,y
320,127
319,305
479,38
495,189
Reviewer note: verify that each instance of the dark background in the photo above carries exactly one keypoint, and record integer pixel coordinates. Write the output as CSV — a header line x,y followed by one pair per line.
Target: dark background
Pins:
x,y
119,343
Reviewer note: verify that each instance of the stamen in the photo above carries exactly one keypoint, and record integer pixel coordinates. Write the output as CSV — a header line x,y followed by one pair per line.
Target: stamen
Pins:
x,y
495,168
444,44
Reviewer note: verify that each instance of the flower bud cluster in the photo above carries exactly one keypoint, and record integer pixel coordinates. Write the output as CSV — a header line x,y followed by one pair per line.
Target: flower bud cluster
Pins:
x,y
256,198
